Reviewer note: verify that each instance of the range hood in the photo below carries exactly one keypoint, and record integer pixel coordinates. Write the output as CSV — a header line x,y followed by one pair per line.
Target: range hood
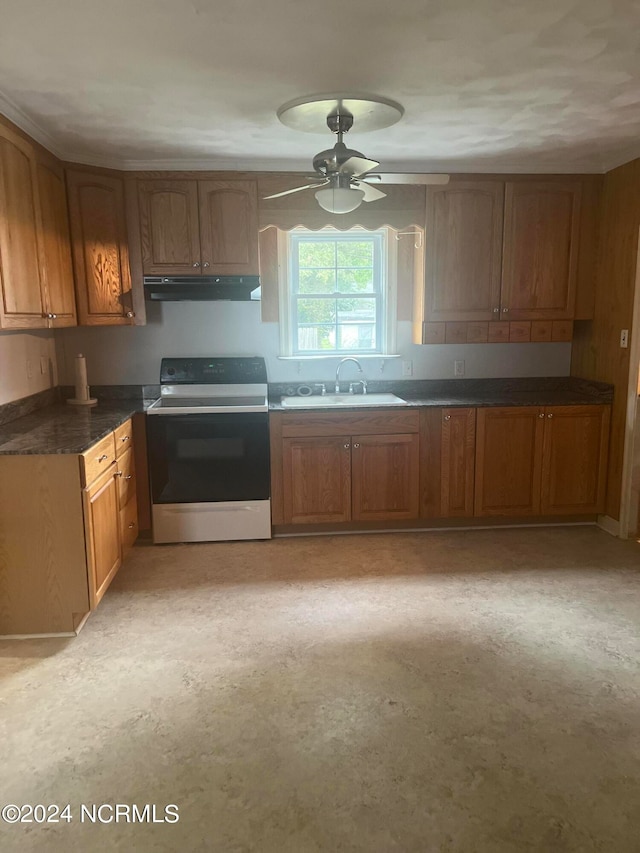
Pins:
x,y
201,288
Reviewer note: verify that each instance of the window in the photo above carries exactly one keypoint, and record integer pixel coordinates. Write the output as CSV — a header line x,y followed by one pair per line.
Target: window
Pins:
x,y
335,293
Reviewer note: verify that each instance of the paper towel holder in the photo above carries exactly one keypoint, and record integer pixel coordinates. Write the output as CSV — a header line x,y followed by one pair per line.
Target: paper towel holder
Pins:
x,y
82,397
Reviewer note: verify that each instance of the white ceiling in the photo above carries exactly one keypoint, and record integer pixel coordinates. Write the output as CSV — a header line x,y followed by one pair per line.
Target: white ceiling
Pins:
x,y
487,85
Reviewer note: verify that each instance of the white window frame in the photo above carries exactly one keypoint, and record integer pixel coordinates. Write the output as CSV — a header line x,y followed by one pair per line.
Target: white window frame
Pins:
x,y
386,322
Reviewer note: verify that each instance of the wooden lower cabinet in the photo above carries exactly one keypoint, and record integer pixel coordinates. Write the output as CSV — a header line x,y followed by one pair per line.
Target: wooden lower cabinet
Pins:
x,y
102,534
574,459
541,460
458,450
385,477
317,479
65,522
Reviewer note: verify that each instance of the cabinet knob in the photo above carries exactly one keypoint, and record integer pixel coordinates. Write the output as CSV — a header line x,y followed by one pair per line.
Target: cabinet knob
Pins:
x,y
207,264
131,525
197,264
347,446
549,416
130,314
447,417
118,474
541,415
125,438
505,310
103,457
128,477
496,310
357,444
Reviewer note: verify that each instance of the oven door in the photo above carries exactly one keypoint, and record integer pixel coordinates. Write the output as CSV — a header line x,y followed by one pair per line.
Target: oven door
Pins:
x,y
209,457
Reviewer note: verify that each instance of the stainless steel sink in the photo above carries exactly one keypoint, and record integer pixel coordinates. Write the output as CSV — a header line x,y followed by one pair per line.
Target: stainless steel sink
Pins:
x,y
336,401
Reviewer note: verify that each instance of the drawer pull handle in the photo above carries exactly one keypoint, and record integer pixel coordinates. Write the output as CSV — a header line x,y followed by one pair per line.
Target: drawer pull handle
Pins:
x,y
103,457
126,438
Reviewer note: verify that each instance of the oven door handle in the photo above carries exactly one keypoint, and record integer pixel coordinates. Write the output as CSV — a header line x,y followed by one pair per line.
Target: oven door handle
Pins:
x,y
212,507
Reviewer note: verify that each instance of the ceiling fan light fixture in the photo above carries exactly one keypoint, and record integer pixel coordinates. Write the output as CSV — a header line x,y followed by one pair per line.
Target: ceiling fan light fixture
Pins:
x,y
339,199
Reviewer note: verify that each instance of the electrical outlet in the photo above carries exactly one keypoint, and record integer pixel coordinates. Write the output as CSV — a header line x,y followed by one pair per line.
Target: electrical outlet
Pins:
x,y
29,369
44,365
407,368
624,338
458,368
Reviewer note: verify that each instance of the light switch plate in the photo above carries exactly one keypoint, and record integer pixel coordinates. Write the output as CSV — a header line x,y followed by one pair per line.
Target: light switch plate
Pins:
x,y
407,368
624,338
458,368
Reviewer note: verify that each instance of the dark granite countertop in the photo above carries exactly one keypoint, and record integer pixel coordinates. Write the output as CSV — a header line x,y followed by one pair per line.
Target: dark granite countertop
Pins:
x,y
64,429
538,391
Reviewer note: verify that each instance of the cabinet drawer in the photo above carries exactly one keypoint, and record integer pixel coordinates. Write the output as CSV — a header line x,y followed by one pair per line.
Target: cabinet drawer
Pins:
x,y
126,474
129,523
343,423
97,459
124,437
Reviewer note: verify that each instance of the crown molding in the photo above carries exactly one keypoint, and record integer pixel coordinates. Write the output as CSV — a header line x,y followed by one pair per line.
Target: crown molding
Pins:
x,y
24,121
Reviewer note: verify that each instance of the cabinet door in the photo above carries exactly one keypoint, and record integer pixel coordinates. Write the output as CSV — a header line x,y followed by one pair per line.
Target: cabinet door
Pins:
x,y
102,531
508,461
100,254
541,222
576,440
56,246
463,244
229,227
385,477
458,451
317,479
22,304
169,235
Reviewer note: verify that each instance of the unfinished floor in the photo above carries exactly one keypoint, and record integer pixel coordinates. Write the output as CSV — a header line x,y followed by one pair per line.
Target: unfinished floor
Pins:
x,y
458,692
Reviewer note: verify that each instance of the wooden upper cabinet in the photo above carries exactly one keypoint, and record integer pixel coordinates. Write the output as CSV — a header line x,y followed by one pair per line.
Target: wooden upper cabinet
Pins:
x,y
509,460
56,246
100,253
316,479
458,452
385,477
169,227
574,466
541,225
21,273
463,243
229,227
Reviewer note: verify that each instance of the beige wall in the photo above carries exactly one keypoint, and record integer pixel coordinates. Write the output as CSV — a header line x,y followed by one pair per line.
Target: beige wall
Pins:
x,y
18,348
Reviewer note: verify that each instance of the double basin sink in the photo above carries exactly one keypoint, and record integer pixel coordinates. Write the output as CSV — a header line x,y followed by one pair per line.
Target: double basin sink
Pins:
x,y
336,401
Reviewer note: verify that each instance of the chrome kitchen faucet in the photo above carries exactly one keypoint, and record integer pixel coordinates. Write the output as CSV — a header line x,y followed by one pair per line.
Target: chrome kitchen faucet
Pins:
x,y
362,381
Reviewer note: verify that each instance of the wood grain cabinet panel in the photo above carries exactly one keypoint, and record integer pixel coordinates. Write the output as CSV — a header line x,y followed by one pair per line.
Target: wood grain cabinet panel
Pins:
x,y
574,459
229,227
169,227
23,299
458,450
385,477
508,461
463,251
316,479
540,250
100,252
56,246
102,523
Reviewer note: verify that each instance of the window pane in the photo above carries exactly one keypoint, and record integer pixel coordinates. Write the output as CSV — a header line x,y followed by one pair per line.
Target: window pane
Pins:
x,y
355,280
317,281
355,253
316,311
312,338
316,254
359,310
360,337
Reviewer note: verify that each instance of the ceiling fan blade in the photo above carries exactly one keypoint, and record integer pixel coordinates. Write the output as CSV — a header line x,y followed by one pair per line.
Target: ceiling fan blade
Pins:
x,y
297,190
357,166
405,178
370,193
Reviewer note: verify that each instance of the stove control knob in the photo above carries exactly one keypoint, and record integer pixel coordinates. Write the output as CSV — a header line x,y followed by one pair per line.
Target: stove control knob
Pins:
x,y
171,371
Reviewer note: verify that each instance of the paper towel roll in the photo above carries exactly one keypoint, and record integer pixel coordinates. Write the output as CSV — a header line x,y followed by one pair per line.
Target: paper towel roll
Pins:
x,y
82,387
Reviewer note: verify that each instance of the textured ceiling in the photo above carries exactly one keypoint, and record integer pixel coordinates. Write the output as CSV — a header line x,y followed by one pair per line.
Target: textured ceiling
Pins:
x,y
509,85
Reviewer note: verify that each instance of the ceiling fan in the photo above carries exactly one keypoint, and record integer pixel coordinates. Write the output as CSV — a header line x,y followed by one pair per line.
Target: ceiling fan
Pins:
x,y
343,176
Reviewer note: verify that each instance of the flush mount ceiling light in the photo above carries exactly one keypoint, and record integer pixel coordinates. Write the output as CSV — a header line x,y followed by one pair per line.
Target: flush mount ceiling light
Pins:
x,y
343,174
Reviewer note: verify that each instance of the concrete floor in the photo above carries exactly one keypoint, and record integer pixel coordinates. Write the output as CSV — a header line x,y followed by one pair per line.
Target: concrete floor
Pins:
x,y
458,692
